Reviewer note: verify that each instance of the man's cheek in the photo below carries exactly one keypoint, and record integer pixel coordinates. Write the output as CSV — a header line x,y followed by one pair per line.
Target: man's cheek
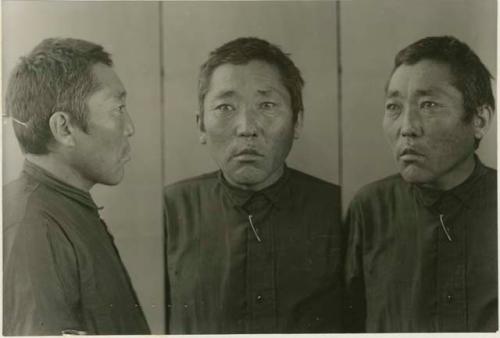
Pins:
x,y
444,143
219,137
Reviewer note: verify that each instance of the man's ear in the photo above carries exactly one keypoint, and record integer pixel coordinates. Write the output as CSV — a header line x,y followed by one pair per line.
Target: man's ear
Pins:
x,y
201,128
297,130
61,128
482,120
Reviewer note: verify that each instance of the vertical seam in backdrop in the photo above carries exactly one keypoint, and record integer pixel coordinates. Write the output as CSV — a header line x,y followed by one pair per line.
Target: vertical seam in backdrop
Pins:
x,y
339,96
162,155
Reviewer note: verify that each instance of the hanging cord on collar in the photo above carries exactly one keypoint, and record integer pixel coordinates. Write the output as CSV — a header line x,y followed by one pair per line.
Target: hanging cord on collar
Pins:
x,y
253,228
441,216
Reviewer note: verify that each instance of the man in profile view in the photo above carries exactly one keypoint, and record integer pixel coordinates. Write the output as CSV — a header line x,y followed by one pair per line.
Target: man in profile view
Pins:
x,y
61,270
422,248
255,246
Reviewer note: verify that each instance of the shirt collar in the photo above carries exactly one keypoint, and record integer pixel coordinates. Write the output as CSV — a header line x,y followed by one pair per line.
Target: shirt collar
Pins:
x,y
463,191
278,193
46,178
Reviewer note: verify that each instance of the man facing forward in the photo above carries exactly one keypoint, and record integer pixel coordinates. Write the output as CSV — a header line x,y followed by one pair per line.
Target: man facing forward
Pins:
x,y
254,247
62,271
422,251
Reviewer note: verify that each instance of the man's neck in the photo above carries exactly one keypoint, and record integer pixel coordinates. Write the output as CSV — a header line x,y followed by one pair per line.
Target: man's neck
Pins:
x,y
60,169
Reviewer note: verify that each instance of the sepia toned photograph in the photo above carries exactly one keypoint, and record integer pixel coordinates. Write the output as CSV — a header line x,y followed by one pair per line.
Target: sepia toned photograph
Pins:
x,y
249,167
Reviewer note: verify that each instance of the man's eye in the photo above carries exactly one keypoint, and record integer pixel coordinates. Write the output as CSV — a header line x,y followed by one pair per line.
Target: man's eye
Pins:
x,y
122,108
428,105
224,108
267,105
392,107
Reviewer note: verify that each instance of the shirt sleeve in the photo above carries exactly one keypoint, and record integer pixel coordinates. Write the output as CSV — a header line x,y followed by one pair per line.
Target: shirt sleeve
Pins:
x,y
354,301
41,284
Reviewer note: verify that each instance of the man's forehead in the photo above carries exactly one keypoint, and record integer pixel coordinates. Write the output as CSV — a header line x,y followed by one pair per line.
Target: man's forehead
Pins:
x,y
424,78
108,81
112,93
230,79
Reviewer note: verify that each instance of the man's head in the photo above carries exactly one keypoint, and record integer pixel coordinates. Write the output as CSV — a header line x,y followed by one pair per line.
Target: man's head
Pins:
x,y
250,99
439,104
65,98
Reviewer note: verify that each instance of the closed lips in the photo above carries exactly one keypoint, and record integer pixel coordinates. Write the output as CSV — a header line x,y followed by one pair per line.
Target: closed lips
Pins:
x,y
409,151
248,152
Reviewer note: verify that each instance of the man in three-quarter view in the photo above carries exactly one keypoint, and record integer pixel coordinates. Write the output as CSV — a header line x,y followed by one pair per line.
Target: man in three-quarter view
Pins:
x,y
61,270
422,248
255,246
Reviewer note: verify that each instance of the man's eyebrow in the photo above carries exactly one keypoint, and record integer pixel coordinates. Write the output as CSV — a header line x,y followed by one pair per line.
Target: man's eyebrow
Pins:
x,y
392,94
419,92
264,92
426,92
438,90
225,94
271,90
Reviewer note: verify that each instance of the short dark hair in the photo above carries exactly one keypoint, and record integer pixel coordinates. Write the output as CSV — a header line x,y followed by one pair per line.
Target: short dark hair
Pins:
x,y
472,78
243,50
55,76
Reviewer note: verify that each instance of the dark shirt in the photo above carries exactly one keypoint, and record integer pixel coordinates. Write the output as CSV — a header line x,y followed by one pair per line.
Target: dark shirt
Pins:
x,y
61,268
223,280
424,260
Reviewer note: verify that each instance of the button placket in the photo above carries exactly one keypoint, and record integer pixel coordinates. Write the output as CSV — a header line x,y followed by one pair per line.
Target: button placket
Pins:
x,y
261,278
451,276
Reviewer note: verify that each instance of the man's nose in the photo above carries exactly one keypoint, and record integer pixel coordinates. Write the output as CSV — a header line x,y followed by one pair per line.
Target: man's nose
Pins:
x,y
246,124
129,125
411,125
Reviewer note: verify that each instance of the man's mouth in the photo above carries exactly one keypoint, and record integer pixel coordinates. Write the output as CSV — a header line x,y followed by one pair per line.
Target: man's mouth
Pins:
x,y
247,154
126,155
127,158
410,154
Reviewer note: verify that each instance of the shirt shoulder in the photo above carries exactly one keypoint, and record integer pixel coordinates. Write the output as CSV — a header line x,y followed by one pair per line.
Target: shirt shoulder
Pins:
x,y
381,193
36,248
29,208
22,197
371,210
490,176
484,194
33,207
190,186
312,185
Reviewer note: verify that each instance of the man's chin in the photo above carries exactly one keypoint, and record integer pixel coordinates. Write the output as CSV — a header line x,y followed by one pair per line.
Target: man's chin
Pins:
x,y
113,179
415,175
247,178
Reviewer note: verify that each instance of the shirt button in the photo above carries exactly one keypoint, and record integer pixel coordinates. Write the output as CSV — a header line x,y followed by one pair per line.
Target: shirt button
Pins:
x,y
259,299
449,298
